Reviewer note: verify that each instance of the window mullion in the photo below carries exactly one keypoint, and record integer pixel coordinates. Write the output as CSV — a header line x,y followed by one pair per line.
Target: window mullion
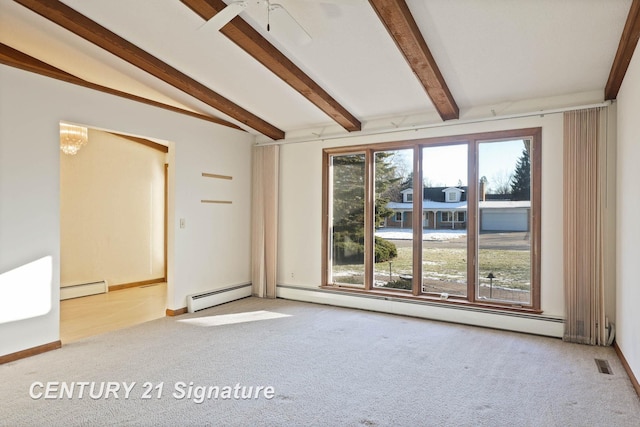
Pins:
x,y
369,213
327,217
472,222
416,287
536,194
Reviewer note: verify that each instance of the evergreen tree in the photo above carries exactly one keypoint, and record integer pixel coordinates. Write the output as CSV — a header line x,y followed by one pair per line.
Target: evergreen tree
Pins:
x,y
521,181
348,202
348,193
386,186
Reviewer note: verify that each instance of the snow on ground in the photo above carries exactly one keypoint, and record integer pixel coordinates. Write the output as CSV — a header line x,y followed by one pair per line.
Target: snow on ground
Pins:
x,y
430,235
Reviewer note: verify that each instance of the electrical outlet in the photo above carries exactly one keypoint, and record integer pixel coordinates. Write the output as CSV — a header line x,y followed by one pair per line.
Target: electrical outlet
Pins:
x,y
292,275
182,223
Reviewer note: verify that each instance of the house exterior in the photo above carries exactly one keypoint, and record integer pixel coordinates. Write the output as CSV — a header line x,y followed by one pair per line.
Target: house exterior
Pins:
x,y
446,208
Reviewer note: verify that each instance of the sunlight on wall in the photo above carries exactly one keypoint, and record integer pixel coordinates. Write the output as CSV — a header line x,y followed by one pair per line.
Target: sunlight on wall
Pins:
x,y
25,292
230,319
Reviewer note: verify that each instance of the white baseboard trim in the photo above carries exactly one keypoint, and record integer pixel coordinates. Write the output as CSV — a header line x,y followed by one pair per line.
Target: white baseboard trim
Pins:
x,y
83,289
207,299
476,316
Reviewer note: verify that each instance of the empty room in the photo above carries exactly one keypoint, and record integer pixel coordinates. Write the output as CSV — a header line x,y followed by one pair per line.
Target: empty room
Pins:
x,y
319,212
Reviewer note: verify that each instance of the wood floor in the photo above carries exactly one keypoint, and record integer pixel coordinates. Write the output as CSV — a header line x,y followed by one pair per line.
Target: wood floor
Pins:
x,y
97,314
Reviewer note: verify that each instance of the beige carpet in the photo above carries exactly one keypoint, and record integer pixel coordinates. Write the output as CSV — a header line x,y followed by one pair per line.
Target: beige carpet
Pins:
x,y
327,366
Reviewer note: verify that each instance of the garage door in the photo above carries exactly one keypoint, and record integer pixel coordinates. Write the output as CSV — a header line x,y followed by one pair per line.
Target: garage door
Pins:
x,y
505,220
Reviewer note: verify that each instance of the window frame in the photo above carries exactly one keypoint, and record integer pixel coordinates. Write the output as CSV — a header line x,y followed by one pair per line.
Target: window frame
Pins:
x,y
471,216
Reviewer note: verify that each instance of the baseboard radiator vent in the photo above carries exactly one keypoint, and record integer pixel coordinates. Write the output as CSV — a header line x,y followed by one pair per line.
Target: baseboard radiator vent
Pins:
x,y
84,289
209,299
604,367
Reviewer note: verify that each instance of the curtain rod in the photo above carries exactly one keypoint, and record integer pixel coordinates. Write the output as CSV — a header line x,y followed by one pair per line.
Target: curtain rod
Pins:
x,y
436,125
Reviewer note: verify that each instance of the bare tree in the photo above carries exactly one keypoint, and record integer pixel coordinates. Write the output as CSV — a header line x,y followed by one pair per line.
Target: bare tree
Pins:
x,y
500,182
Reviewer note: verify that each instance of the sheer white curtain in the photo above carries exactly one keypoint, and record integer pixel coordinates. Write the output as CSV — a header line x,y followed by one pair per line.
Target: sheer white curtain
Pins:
x,y
264,220
585,174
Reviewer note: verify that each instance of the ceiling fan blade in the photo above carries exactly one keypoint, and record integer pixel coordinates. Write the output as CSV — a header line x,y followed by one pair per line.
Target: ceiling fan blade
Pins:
x,y
223,17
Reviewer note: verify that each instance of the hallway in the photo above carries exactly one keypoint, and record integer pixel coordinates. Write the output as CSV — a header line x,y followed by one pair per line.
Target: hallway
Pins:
x,y
97,314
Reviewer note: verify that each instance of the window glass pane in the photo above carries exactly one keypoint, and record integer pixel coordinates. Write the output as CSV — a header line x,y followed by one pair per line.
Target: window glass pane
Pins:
x,y
444,247
347,219
393,246
504,222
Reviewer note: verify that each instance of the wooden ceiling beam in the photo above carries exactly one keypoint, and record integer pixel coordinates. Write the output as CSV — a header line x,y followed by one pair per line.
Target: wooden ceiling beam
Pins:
x,y
15,58
248,39
93,32
397,18
626,47
142,141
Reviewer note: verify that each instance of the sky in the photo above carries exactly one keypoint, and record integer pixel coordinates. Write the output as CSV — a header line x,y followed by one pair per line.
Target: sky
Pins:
x,y
498,158
447,165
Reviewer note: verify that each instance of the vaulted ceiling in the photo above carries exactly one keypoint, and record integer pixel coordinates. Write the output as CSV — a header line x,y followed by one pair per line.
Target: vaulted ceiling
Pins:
x,y
286,69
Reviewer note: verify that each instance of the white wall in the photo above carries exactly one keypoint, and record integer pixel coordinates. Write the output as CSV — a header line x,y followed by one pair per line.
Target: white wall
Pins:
x,y
29,214
628,226
112,212
301,221
213,251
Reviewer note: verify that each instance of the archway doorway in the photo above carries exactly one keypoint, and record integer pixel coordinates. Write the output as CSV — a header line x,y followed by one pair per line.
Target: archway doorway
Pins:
x,y
113,233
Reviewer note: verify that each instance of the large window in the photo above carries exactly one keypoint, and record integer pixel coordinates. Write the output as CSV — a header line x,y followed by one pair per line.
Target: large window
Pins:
x,y
504,223
392,247
444,247
470,235
347,203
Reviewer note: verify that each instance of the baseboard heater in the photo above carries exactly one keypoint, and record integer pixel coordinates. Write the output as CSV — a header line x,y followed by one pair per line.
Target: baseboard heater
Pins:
x,y
83,289
220,296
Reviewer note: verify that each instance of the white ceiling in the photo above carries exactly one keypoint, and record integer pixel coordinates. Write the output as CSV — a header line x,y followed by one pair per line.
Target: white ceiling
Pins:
x,y
492,54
